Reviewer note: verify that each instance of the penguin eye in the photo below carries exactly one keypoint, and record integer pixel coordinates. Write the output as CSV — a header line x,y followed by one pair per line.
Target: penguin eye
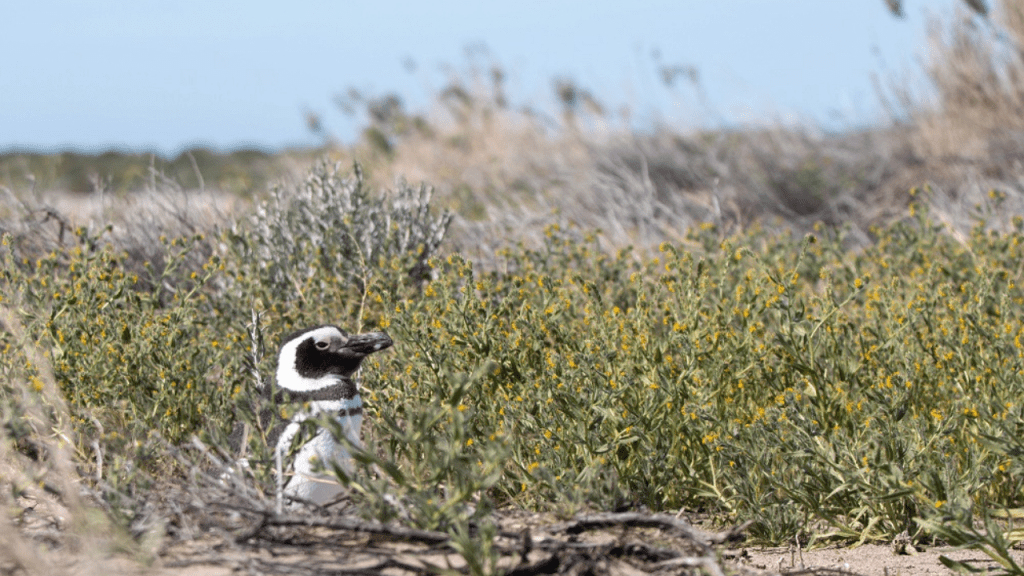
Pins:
x,y
322,345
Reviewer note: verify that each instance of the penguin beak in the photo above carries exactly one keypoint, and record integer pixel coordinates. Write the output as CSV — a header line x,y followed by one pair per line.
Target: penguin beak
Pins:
x,y
364,344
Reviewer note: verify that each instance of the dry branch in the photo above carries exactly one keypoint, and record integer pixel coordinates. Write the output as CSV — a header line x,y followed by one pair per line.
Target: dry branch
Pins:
x,y
350,524
659,521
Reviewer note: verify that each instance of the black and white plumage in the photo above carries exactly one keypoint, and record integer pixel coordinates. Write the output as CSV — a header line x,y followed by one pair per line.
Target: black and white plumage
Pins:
x,y
316,368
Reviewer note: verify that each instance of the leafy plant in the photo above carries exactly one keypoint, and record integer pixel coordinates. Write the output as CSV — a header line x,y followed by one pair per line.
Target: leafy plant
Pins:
x,y
131,362
330,236
821,393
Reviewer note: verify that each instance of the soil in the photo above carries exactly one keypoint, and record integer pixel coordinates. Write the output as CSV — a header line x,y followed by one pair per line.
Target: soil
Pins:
x,y
303,542
627,549
867,560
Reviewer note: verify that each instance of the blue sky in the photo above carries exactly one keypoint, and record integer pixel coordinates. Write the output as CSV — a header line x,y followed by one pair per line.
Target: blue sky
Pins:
x,y
163,75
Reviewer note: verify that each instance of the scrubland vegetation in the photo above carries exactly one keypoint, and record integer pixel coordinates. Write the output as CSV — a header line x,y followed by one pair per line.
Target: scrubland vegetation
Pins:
x,y
819,334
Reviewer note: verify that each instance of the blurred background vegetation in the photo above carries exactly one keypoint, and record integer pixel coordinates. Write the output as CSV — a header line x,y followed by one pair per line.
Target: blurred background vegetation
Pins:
x,y
500,164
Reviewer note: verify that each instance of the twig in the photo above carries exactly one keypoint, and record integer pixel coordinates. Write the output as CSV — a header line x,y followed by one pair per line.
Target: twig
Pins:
x,y
354,525
99,460
253,530
279,480
708,562
549,565
660,521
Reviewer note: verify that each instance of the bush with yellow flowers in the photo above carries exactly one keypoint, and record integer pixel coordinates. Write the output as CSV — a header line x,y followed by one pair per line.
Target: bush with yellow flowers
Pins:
x,y
785,381
132,361
818,391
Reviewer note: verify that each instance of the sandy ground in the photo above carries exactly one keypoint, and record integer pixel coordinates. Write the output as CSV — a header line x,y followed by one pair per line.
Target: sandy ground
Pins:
x,y
331,554
214,552
870,560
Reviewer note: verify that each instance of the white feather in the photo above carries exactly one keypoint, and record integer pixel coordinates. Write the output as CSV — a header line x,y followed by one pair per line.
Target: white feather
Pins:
x,y
318,453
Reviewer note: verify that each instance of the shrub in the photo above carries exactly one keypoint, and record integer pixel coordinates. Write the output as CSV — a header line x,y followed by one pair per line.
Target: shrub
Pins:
x,y
330,236
788,381
130,362
767,378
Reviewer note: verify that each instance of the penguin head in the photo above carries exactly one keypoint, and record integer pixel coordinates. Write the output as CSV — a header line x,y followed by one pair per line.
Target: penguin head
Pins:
x,y
320,356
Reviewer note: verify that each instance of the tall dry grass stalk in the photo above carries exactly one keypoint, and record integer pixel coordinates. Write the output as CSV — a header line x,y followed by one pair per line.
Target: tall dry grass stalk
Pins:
x,y
49,479
966,133
509,173
976,68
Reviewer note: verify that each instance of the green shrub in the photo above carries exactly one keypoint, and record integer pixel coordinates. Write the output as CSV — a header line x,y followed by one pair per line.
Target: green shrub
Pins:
x,y
322,242
423,464
819,392
131,362
767,378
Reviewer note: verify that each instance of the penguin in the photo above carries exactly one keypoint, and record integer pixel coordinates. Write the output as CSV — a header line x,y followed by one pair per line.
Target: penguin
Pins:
x,y
316,370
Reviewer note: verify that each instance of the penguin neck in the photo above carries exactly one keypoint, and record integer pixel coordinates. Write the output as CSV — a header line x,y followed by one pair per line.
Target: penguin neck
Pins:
x,y
324,389
342,408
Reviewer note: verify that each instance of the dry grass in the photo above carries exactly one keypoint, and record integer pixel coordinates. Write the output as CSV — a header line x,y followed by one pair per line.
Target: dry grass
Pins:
x,y
38,472
977,72
507,170
966,138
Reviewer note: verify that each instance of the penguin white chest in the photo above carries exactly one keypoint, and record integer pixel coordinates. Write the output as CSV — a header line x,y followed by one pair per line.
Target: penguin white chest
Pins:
x,y
312,470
